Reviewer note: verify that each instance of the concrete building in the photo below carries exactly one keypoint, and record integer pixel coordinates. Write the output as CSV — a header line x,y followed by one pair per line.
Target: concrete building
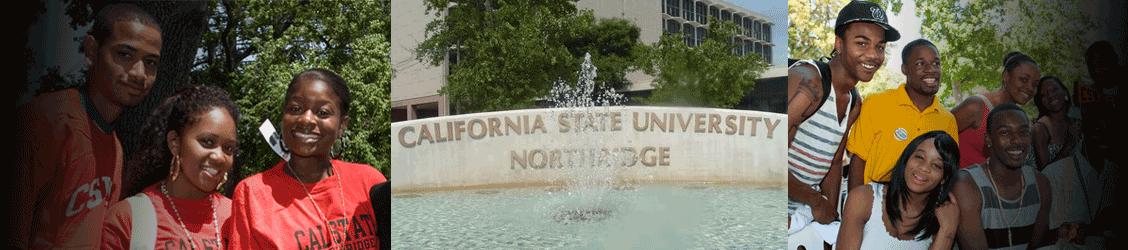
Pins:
x,y
415,83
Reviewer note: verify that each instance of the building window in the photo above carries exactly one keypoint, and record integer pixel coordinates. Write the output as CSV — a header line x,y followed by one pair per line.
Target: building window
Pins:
x,y
739,21
740,47
673,26
713,11
454,56
700,35
726,15
748,27
756,31
672,8
767,33
749,47
426,110
768,53
687,9
702,11
690,39
399,114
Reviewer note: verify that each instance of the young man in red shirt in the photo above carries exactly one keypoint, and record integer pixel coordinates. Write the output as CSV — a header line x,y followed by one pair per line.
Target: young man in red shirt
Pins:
x,y
69,159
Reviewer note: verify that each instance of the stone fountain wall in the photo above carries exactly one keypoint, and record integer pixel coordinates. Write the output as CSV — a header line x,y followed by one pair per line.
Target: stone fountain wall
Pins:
x,y
533,146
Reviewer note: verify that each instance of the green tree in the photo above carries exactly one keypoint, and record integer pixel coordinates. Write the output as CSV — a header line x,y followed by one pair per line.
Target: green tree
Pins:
x,y
708,74
511,52
974,36
256,48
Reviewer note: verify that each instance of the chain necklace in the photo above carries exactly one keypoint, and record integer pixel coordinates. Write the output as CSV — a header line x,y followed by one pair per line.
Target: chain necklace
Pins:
x,y
178,219
337,245
1010,236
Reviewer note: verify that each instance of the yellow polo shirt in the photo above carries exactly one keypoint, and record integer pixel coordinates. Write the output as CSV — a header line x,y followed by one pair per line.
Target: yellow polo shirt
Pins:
x,y
886,125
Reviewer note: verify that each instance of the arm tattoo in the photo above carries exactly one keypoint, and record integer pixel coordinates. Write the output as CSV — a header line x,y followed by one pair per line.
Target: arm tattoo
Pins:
x,y
811,88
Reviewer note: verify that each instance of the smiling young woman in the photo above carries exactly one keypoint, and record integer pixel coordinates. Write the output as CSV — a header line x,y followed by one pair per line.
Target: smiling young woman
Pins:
x,y
1020,74
1053,133
188,147
914,209
312,200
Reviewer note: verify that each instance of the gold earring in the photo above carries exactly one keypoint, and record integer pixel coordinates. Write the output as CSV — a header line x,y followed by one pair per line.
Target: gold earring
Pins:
x,y
175,168
220,184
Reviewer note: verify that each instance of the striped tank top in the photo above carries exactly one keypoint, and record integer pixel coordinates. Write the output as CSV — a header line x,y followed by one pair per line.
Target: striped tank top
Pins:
x,y
995,219
815,142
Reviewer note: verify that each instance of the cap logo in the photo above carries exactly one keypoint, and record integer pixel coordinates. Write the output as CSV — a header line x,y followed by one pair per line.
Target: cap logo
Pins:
x,y
878,13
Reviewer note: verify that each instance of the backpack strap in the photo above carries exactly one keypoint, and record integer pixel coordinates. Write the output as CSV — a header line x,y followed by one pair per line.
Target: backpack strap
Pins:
x,y
824,72
144,233
854,96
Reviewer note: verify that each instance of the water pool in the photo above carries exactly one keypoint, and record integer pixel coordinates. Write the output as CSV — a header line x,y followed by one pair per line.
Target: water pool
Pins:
x,y
632,217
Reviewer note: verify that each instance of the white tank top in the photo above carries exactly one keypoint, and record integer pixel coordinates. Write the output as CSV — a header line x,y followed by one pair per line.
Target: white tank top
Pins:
x,y
875,236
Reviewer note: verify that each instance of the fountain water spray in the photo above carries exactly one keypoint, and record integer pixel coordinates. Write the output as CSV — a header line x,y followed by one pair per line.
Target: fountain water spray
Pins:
x,y
588,166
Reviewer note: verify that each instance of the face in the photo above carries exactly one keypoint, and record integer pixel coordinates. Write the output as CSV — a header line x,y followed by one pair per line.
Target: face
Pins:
x,y
1053,96
863,49
1100,67
1009,139
312,119
925,169
123,67
923,70
1020,82
206,149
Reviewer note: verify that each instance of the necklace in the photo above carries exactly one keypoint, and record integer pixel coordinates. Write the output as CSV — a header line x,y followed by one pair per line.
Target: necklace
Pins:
x,y
178,219
337,245
912,213
1021,194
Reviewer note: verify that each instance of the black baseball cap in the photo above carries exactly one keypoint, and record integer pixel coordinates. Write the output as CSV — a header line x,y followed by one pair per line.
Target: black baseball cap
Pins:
x,y
863,11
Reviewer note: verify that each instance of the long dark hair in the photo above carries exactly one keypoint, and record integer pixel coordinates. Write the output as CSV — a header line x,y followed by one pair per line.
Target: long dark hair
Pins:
x,y
178,112
899,189
1042,109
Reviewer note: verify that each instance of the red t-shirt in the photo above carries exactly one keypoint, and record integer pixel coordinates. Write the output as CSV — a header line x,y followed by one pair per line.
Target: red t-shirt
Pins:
x,y
271,211
197,215
67,169
972,148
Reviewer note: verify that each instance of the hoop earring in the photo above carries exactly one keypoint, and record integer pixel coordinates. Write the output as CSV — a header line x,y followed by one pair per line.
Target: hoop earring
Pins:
x,y
220,184
174,167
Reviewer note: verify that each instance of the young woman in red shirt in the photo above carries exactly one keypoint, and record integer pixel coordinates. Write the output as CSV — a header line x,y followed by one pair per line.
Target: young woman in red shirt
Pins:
x,y
311,201
188,146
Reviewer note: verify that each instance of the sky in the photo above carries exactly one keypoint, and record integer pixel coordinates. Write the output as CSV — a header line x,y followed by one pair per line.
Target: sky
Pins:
x,y
776,10
908,24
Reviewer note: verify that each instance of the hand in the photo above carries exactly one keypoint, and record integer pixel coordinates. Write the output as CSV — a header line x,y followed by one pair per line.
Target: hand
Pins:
x,y
1069,232
824,212
948,214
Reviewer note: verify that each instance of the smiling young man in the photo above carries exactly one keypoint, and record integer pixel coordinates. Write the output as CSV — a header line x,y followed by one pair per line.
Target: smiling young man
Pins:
x,y
821,105
69,159
1004,203
890,119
